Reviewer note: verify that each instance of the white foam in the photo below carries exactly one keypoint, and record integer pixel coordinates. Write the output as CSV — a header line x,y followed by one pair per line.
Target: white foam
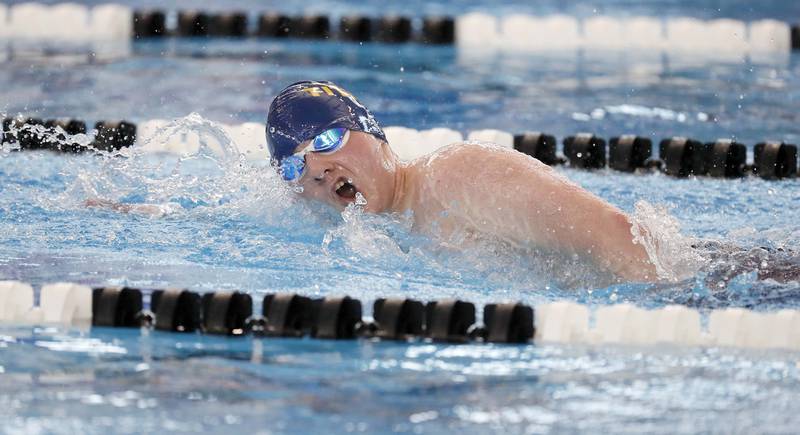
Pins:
x,y
499,137
154,136
66,303
477,30
562,322
192,141
111,22
146,131
16,300
250,139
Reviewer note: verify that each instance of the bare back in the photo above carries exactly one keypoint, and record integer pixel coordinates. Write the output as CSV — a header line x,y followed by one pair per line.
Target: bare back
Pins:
x,y
500,192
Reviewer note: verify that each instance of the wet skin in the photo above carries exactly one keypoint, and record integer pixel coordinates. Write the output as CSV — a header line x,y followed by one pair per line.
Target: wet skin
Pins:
x,y
483,190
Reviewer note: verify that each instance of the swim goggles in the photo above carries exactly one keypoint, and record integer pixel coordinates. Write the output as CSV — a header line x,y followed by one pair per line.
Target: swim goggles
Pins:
x,y
293,167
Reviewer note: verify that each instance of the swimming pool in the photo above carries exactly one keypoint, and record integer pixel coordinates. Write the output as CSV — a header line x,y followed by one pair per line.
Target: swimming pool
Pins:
x,y
232,225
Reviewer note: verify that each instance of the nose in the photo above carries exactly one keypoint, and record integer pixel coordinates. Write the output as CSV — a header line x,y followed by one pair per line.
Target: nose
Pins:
x,y
316,167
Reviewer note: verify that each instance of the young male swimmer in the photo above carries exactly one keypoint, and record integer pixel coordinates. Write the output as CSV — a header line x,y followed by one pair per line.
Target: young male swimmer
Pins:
x,y
328,144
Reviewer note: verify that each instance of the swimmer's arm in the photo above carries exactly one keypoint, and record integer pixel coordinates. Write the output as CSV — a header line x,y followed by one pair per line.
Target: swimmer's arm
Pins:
x,y
155,210
523,200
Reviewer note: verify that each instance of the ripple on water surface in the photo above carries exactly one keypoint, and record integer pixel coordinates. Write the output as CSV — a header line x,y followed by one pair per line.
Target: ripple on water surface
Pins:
x,y
229,223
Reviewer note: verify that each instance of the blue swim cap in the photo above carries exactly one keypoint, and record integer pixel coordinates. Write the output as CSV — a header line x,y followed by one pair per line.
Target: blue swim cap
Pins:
x,y
305,109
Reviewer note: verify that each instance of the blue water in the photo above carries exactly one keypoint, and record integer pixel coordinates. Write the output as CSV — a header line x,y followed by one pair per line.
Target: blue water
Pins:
x,y
233,225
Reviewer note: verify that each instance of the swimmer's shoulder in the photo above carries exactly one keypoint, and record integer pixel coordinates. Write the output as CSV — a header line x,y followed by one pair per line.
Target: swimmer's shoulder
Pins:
x,y
473,155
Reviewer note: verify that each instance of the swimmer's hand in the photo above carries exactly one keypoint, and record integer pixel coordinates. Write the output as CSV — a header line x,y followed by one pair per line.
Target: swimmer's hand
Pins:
x,y
154,210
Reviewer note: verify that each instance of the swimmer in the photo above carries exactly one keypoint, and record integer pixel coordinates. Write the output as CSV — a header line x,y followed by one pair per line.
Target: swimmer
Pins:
x,y
328,145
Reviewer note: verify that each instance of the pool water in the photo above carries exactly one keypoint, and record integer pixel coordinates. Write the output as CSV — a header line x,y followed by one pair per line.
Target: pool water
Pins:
x,y
231,224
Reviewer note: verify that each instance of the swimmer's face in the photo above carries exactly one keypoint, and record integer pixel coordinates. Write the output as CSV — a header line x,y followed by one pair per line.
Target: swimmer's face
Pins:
x,y
359,167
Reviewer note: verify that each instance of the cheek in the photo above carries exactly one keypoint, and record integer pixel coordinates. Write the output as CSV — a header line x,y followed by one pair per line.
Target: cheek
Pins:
x,y
312,192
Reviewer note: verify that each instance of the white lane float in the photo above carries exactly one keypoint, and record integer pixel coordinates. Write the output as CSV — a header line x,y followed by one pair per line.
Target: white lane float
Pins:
x,y
562,322
16,301
436,138
66,304
478,31
555,322
407,143
111,22
499,137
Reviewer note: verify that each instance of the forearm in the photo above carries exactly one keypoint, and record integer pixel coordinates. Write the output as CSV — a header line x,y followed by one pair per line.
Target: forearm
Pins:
x,y
563,216
618,251
156,210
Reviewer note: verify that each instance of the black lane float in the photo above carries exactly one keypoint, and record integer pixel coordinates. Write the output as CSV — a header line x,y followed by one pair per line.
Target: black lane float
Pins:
x,y
677,156
585,151
292,315
393,29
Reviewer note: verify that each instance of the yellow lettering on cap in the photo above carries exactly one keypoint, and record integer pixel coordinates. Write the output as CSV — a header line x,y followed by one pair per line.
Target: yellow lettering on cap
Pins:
x,y
313,91
327,90
341,91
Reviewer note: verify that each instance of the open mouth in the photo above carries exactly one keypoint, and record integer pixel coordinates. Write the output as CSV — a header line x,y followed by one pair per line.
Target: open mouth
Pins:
x,y
345,189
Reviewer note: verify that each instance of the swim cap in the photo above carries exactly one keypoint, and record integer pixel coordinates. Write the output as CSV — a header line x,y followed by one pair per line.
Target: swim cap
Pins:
x,y
305,109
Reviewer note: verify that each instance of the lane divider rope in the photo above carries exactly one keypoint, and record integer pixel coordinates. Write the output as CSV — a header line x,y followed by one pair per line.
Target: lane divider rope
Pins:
x,y
676,156
515,32
448,320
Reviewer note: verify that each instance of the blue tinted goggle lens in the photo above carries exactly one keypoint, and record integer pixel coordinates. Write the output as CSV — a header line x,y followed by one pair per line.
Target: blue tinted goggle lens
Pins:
x,y
292,167
329,140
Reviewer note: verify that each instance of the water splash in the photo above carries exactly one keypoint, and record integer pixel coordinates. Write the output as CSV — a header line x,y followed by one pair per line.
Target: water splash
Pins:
x,y
210,174
660,234
366,236
237,216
